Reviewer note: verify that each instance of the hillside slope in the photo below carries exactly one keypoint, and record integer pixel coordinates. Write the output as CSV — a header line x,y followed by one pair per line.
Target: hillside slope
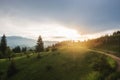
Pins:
x,y
64,64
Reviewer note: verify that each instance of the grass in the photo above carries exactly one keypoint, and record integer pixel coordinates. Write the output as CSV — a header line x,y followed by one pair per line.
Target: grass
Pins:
x,y
67,63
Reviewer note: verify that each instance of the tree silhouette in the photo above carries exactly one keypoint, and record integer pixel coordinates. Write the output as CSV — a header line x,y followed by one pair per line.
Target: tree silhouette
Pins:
x,y
39,46
17,49
3,45
24,49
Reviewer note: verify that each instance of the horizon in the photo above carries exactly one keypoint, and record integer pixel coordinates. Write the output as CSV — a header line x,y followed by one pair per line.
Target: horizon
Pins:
x,y
82,38
74,20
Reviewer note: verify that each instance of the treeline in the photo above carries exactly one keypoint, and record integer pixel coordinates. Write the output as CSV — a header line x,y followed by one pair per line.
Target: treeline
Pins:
x,y
109,43
7,52
19,49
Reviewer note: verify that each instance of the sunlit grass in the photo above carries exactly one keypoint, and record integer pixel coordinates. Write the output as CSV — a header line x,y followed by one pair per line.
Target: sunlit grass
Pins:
x,y
67,63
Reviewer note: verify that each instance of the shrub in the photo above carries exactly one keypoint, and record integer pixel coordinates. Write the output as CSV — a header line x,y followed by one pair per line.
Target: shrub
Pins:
x,y
27,55
54,48
49,68
102,66
47,49
12,70
1,73
114,76
38,56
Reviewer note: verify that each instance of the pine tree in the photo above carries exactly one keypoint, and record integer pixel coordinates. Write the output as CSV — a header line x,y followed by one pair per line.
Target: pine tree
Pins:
x,y
3,45
39,46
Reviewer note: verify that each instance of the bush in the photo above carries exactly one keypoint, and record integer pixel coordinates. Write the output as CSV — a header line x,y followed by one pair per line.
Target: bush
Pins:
x,y
54,49
12,70
0,54
102,66
38,56
9,53
27,55
114,76
1,73
49,68
47,49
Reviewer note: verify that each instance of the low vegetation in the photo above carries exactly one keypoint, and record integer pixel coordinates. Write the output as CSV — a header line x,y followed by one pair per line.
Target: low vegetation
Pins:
x,y
67,60
67,63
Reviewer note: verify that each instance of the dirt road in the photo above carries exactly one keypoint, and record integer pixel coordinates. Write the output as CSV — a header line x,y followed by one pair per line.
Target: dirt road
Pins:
x,y
112,56
115,58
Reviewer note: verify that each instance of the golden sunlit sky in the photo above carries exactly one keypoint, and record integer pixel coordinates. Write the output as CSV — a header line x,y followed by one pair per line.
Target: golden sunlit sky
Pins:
x,y
58,20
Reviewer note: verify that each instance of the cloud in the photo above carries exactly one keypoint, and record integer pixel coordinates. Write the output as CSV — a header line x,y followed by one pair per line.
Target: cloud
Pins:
x,y
33,28
97,15
58,37
30,18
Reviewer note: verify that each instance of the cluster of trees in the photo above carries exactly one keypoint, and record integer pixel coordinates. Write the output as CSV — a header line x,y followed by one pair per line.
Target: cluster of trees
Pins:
x,y
51,48
56,46
17,49
106,41
6,52
110,43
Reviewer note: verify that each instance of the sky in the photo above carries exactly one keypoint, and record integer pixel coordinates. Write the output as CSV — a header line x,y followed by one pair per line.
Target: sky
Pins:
x,y
59,19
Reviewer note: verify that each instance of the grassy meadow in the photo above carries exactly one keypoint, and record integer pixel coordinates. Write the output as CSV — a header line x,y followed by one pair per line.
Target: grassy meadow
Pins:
x,y
66,63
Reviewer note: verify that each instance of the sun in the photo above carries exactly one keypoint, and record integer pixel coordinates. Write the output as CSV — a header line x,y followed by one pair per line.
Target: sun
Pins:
x,y
70,34
50,30
67,33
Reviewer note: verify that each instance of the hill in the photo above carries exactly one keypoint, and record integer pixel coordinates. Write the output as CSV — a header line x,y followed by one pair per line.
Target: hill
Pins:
x,y
108,43
67,63
14,41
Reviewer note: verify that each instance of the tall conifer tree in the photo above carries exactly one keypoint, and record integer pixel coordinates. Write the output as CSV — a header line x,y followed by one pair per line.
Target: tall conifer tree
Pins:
x,y
3,45
40,45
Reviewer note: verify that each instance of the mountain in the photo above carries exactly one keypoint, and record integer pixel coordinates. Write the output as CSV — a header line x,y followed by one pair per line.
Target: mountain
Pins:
x,y
13,41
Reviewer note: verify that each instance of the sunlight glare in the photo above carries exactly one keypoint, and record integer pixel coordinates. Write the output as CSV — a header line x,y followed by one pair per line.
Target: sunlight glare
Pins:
x,y
50,31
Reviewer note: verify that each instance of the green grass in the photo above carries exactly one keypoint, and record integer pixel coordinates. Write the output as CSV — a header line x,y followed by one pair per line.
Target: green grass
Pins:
x,y
67,63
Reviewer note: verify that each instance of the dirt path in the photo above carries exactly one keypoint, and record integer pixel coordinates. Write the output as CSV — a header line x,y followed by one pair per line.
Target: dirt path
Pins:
x,y
112,56
115,58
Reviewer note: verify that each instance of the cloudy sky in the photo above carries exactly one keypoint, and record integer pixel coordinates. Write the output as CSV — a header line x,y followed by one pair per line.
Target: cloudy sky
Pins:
x,y
59,19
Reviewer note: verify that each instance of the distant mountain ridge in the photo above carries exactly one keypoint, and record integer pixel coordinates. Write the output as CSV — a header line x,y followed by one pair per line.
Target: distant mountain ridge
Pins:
x,y
13,41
